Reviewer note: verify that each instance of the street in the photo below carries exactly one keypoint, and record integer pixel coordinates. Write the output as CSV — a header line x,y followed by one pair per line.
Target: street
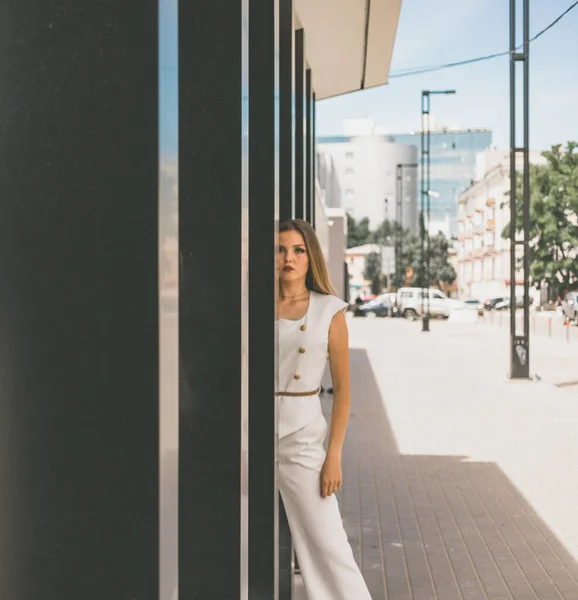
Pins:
x,y
457,482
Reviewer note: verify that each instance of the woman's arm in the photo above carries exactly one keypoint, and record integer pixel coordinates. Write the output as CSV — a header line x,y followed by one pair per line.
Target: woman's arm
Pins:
x,y
331,474
339,366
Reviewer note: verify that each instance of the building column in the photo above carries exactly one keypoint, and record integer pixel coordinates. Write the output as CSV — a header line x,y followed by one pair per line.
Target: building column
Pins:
x,y
309,145
214,311
314,154
300,125
286,211
263,221
79,253
286,110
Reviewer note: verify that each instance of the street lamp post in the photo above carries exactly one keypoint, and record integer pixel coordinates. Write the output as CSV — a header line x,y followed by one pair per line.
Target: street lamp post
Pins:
x,y
400,168
425,198
520,344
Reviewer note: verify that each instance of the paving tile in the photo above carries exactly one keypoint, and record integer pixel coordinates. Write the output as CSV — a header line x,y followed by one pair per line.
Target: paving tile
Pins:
x,y
439,518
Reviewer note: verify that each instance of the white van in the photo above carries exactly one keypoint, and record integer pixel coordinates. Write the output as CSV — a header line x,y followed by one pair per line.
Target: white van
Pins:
x,y
409,301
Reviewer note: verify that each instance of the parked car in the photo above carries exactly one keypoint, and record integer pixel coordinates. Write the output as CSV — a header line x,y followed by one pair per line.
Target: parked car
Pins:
x,y
378,307
470,304
409,302
570,307
490,303
505,304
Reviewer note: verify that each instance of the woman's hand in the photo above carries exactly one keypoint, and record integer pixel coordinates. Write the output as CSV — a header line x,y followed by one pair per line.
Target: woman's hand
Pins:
x,y
330,478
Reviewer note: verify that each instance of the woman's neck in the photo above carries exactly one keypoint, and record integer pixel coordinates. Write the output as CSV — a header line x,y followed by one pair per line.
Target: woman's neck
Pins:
x,y
293,289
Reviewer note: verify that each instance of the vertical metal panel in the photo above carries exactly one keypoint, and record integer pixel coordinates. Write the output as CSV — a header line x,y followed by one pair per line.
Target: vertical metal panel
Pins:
x,y
264,214
286,211
213,234
314,153
309,158
168,299
286,110
300,138
244,346
79,312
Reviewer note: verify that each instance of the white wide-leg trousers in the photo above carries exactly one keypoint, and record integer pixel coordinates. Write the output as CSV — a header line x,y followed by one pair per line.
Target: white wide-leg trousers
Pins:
x,y
325,557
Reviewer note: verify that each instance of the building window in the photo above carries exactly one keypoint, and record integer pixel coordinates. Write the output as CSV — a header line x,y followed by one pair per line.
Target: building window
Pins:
x,y
349,192
349,155
349,171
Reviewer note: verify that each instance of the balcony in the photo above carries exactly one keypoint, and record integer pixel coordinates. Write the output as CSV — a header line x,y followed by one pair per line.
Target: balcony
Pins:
x,y
491,225
490,202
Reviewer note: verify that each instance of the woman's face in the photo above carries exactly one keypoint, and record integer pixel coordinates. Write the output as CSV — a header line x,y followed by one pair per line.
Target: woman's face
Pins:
x,y
292,259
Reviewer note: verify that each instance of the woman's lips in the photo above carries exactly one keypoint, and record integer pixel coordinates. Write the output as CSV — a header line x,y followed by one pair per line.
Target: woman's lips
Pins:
x,y
288,269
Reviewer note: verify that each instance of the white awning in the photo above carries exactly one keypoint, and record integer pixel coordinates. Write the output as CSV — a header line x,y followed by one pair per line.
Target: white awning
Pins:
x,y
348,43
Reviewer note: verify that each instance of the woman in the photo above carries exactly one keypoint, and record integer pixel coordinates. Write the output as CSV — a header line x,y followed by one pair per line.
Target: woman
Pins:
x,y
312,328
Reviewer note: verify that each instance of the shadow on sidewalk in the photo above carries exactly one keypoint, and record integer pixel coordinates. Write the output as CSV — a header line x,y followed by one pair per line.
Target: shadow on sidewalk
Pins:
x,y
442,527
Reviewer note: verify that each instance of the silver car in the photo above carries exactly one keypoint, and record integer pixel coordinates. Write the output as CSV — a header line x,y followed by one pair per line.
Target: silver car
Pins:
x,y
409,301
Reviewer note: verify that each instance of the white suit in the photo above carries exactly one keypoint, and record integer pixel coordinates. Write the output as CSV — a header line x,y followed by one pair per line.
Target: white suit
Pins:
x,y
325,557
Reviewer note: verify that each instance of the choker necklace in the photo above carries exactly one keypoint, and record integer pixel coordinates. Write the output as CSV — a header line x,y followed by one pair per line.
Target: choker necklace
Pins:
x,y
292,297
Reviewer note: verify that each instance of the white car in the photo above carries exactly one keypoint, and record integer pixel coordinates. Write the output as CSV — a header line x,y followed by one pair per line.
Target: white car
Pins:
x,y
409,301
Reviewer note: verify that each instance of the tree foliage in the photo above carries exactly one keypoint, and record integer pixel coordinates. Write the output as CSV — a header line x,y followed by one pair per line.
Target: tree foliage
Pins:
x,y
358,233
373,272
440,269
390,233
553,236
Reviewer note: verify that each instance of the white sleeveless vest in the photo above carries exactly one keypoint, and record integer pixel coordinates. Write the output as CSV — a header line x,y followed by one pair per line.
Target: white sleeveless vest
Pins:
x,y
303,352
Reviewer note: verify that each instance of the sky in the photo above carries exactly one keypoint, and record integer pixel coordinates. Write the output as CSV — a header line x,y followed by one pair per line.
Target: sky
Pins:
x,y
464,29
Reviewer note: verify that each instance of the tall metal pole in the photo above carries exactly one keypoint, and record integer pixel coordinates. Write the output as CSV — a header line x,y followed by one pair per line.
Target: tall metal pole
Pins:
x,y
520,344
399,191
424,190
425,199
428,200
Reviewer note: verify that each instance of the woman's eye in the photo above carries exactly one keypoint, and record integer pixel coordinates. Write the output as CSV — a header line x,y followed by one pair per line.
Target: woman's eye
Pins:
x,y
299,250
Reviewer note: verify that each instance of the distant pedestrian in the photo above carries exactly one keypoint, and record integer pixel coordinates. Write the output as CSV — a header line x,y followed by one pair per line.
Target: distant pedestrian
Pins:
x,y
560,308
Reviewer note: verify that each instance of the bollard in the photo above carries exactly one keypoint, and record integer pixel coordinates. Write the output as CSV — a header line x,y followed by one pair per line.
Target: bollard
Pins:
x,y
550,327
567,325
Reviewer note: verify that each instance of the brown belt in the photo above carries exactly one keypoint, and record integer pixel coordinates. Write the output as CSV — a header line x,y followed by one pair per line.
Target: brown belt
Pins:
x,y
298,394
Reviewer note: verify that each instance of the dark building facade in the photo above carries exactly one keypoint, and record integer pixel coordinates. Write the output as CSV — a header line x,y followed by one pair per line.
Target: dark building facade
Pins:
x,y
149,151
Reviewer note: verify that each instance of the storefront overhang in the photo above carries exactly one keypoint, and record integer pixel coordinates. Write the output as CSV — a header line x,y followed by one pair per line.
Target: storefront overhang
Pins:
x,y
349,43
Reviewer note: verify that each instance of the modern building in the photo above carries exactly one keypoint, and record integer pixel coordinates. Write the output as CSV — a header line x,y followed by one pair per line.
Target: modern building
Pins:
x,y
365,158
328,178
366,167
453,168
147,160
483,214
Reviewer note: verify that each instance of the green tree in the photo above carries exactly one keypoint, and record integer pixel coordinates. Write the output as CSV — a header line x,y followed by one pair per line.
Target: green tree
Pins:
x,y
373,272
358,233
441,270
386,232
553,218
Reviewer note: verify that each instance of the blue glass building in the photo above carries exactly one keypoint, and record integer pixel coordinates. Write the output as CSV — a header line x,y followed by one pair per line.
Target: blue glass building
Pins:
x,y
453,166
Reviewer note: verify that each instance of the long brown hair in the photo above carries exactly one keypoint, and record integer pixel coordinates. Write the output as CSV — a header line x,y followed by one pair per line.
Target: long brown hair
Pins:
x,y
317,279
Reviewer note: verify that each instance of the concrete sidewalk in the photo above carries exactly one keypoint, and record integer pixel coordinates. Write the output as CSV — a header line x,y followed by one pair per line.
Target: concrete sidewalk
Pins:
x,y
458,484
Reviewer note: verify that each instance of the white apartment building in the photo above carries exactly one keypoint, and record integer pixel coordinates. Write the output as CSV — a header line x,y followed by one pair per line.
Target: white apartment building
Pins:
x,y
483,213
365,162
